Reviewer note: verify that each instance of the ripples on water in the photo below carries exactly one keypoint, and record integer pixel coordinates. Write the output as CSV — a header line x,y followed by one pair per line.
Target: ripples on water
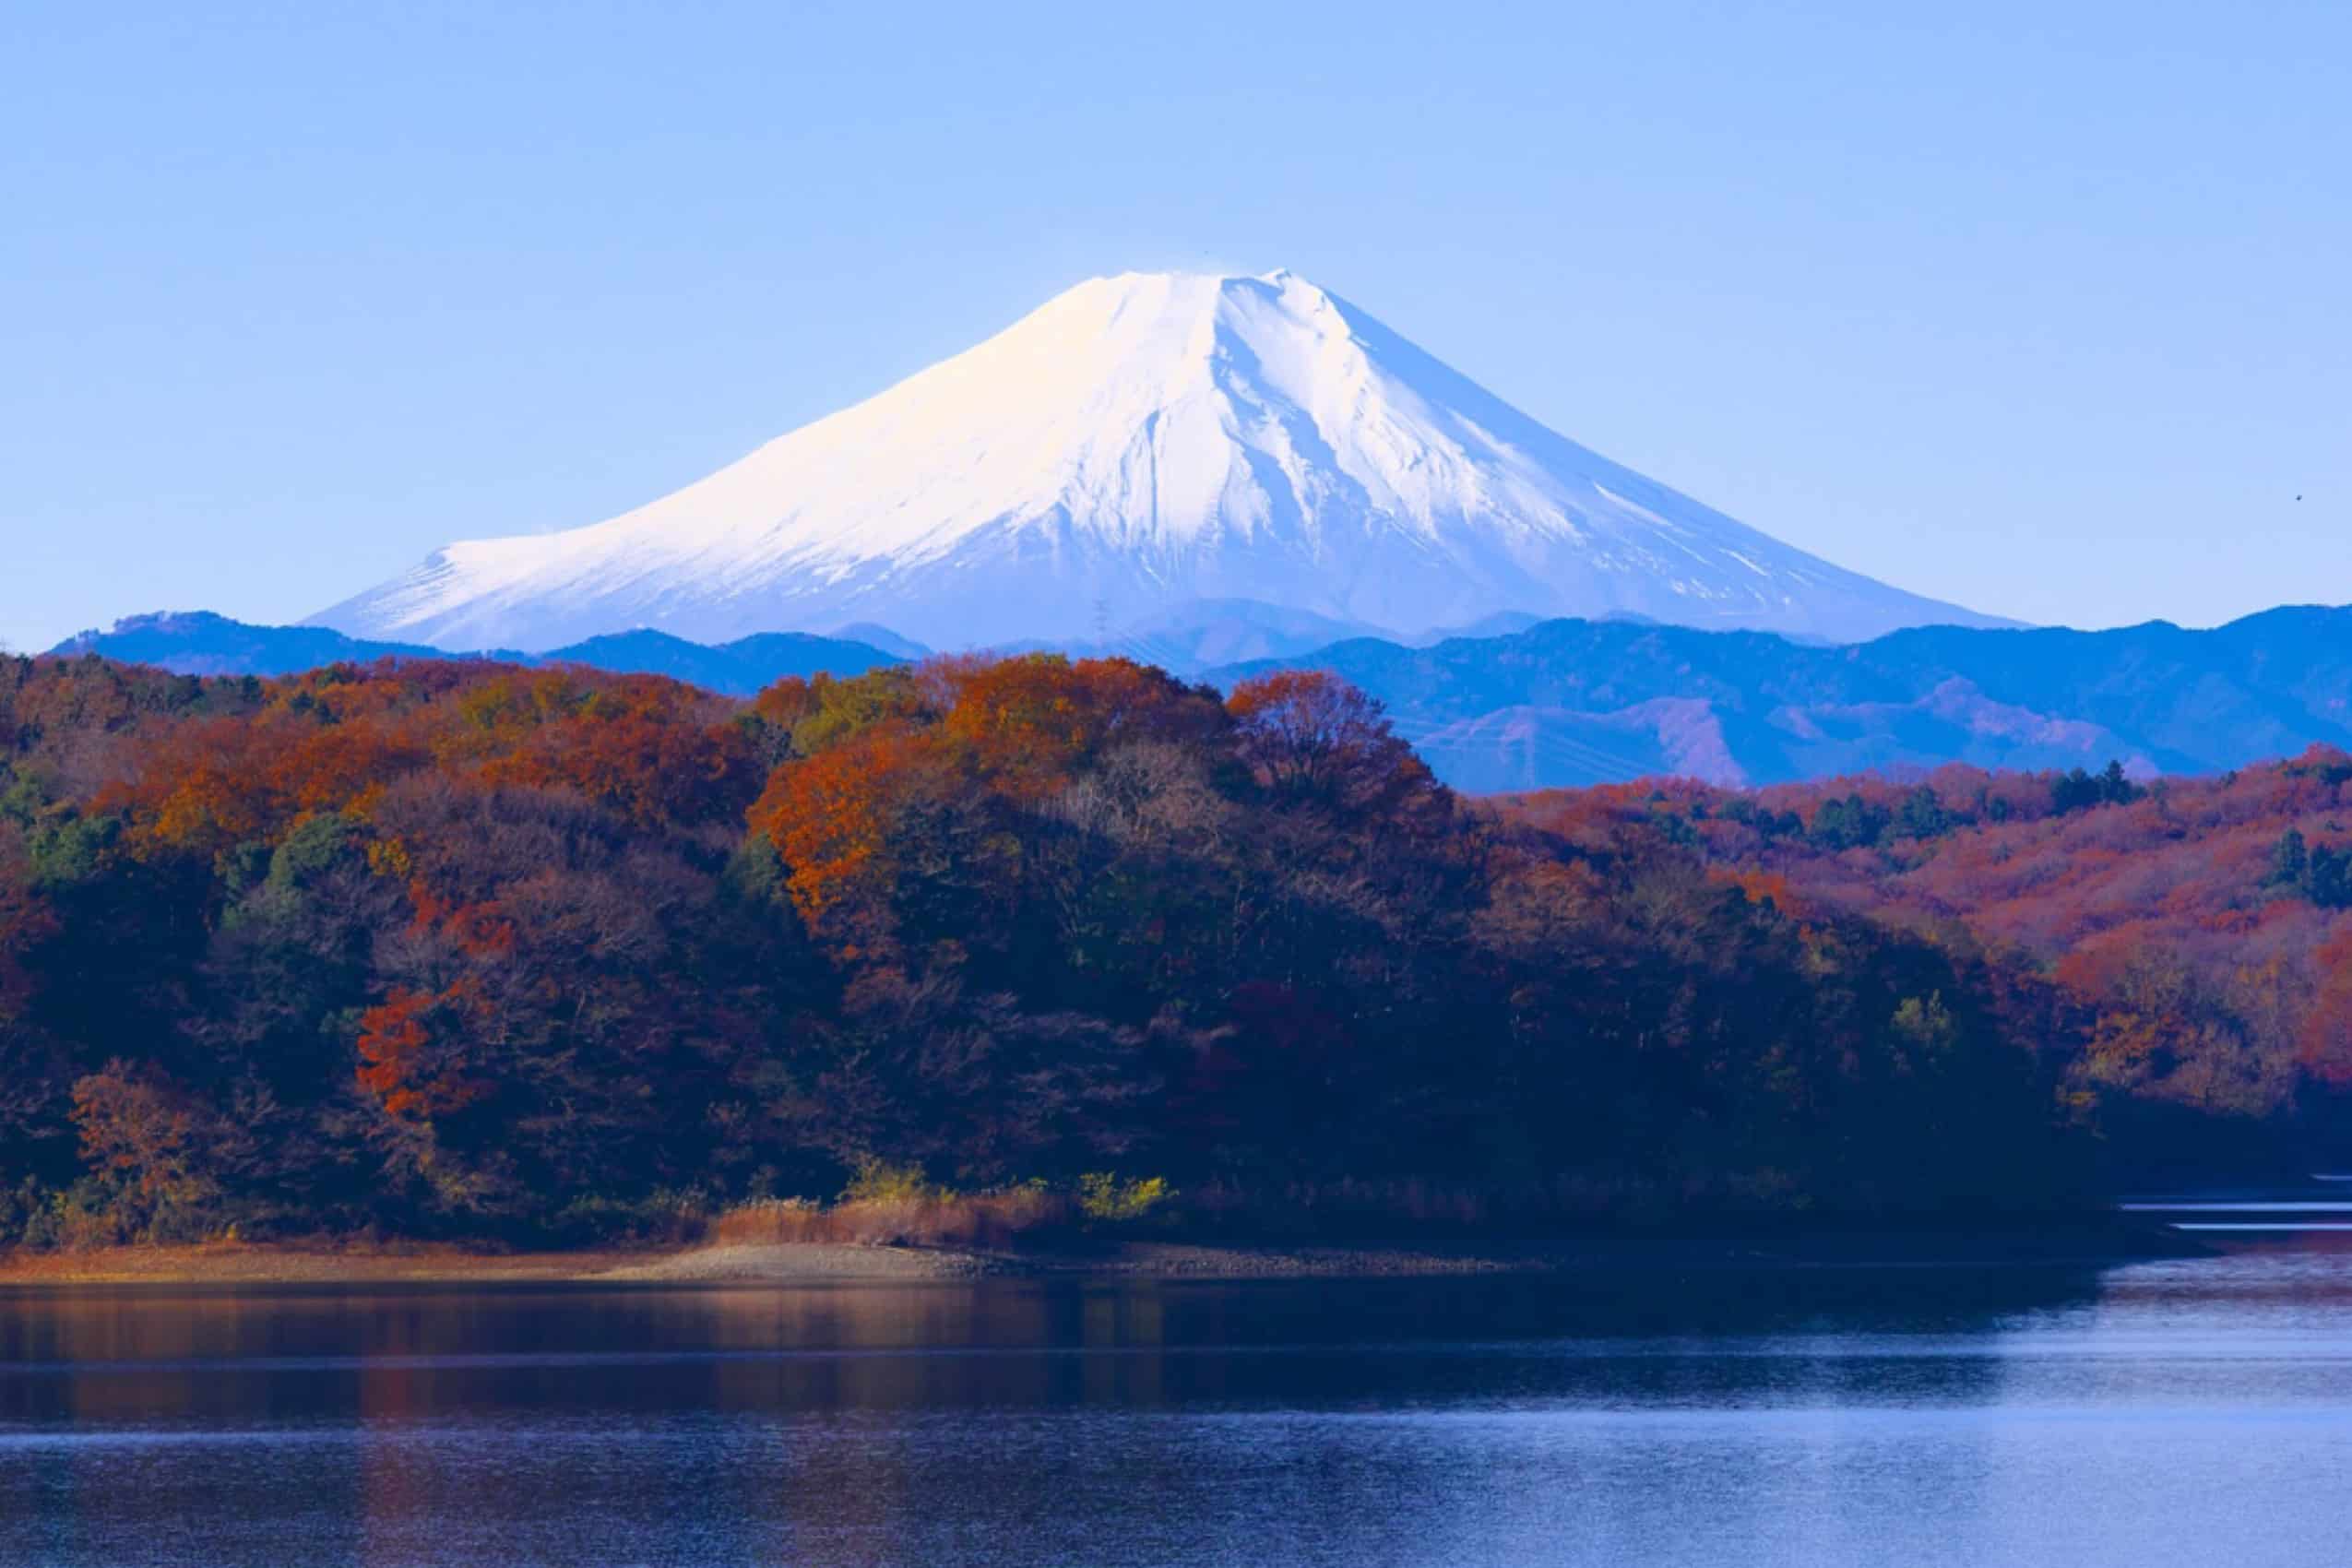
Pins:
x,y
2174,1412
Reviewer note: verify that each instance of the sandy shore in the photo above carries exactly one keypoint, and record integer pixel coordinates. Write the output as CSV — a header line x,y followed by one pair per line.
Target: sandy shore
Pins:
x,y
1148,1260
810,1263
815,1262
236,1262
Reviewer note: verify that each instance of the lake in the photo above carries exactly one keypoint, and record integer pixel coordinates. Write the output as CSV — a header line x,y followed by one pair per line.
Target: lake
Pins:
x,y
2162,1412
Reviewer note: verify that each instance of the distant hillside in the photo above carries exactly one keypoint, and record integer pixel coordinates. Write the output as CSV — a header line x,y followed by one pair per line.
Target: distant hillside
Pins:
x,y
2191,938
738,668
1582,702
197,642
1569,703
200,643
1207,632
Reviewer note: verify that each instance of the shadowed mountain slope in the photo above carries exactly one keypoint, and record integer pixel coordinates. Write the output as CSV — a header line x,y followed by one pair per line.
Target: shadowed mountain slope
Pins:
x,y
1579,702
200,643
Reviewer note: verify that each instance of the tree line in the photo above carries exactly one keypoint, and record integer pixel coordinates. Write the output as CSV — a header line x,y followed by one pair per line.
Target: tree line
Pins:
x,y
457,949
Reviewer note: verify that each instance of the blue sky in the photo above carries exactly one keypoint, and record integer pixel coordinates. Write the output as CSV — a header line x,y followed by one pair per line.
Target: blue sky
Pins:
x,y
2048,313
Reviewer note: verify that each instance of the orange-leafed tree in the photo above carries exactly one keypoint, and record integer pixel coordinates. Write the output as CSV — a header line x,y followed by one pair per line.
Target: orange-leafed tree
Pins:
x,y
654,750
832,817
164,1149
1031,724
2326,1042
413,1054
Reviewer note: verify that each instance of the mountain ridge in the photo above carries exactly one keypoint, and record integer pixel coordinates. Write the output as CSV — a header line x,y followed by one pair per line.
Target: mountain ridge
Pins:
x,y
202,643
2159,697
1570,702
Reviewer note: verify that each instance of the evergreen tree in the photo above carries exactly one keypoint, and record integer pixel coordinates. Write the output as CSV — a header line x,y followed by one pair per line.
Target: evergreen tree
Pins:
x,y
2289,861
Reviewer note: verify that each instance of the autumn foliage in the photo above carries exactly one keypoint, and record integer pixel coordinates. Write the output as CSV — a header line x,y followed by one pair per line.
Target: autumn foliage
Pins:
x,y
2189,936
457,948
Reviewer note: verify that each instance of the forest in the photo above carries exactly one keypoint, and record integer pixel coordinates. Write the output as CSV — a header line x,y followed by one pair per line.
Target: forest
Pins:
x,y
550,955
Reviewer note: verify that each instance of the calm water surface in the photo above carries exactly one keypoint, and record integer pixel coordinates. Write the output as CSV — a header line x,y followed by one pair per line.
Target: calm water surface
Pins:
x,y
2161,1413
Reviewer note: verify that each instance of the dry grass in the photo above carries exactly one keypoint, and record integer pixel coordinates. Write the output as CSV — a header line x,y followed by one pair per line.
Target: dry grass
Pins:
x,y
892,1208
887,1207
921,1218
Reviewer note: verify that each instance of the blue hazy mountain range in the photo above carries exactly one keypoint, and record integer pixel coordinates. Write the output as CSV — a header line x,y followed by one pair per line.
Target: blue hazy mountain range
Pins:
x,y
1573,701
200,643
1568,702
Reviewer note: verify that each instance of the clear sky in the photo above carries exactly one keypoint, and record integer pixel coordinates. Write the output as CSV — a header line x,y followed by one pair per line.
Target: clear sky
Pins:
x,y
2045,309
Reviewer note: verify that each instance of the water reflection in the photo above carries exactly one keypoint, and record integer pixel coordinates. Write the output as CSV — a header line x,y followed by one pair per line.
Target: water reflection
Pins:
x,y
1774,1415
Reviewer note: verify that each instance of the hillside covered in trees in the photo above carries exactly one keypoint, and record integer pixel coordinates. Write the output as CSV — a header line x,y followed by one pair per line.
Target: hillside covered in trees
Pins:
x,y
2193,937
466,950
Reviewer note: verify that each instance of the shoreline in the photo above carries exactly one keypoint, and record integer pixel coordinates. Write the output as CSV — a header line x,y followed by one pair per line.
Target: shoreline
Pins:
x,y
2091,1243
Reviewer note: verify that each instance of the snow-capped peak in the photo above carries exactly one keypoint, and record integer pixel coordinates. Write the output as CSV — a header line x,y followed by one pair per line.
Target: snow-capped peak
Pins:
x,y
1135,444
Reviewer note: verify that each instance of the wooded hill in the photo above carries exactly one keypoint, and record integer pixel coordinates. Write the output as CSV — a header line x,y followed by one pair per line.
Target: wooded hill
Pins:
x,y
464,949
2193,934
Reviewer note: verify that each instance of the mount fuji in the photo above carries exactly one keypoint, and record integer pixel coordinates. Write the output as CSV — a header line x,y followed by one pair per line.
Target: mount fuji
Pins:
x,y
1137,445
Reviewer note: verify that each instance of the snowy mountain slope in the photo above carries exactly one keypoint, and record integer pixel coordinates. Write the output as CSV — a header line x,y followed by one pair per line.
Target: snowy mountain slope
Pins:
x,y
1136,443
